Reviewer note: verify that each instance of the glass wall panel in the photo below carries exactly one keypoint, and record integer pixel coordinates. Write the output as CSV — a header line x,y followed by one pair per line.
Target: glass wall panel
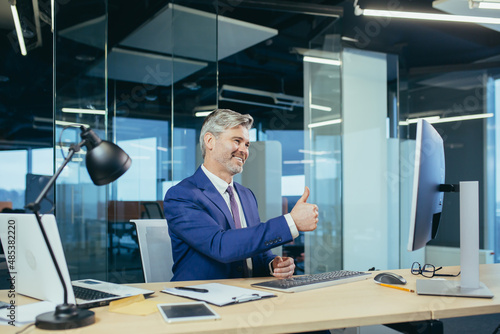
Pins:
x,y
323,155
25,105
267,79
367,161
26,110
81,99
164,64
258,75
140,73
455,102
195,50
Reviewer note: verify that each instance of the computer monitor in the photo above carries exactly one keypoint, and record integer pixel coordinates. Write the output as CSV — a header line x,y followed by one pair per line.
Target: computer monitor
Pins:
x,y
427,199
426,208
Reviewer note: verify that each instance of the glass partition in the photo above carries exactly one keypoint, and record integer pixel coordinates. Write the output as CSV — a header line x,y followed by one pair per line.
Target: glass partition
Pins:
x,y
161,72
195,50
26,112
285,94
80,98
456,103
323,154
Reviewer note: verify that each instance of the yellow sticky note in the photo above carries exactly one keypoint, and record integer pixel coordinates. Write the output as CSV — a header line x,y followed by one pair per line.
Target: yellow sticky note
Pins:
x,y
135,305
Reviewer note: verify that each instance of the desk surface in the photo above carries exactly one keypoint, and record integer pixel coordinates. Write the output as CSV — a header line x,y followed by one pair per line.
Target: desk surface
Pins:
x,y
348,305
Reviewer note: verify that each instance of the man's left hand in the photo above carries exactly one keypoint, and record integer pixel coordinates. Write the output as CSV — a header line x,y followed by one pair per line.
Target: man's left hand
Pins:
x,y
283,267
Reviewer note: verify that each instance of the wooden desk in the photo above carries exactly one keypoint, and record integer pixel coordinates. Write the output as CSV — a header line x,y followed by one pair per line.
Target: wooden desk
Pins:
x,y
347,305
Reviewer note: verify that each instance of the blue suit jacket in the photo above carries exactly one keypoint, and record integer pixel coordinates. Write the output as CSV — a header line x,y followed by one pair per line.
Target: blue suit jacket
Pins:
x,y
205,243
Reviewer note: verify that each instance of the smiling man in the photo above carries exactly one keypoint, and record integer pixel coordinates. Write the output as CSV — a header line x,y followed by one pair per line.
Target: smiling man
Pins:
x,y
214,222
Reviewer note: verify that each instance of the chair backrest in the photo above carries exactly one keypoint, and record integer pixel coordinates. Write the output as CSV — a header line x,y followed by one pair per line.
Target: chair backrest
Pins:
x,y
155,248
153,210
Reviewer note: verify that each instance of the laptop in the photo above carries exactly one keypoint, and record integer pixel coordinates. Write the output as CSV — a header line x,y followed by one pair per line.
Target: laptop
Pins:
x,y
31,266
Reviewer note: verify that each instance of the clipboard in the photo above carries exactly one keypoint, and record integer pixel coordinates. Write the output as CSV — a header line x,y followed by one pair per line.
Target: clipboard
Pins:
x,y
220,294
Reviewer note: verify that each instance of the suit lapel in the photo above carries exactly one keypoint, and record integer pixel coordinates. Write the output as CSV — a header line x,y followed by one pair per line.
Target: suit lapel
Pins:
x,y
209,190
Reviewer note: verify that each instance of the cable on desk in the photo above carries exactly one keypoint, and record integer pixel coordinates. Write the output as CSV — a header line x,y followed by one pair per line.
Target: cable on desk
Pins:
x,y
25,328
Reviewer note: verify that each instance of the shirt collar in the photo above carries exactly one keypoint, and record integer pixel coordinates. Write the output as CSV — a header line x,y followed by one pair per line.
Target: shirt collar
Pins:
x,y
219,183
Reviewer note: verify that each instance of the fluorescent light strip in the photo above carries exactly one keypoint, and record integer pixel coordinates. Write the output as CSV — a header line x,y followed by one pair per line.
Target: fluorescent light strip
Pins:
x,y
318,124
203,113
487,5
84,111
19,30
297,162
162,149
315,152
428,119
52,15
77,125
430,16
462,118
318,107
437,119
322,60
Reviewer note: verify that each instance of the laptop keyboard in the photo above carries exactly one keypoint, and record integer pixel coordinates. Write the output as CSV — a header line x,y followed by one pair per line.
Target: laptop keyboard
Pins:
x,y
90,294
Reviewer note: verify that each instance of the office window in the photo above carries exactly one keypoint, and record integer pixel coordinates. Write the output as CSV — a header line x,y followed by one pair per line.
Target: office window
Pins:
x,y
42,161
139,182
13,177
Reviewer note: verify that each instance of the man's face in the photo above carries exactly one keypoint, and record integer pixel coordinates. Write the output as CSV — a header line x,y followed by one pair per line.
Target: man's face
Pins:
x,y
231,149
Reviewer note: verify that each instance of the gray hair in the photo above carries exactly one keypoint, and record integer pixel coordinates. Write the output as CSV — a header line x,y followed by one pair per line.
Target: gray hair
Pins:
x,y
219,121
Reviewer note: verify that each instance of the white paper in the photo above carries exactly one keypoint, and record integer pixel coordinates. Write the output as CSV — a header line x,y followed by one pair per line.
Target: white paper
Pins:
x,y
221,294
25,314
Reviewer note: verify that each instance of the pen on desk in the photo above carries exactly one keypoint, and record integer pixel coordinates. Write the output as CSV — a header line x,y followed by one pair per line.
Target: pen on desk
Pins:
x,y
187,288
397,287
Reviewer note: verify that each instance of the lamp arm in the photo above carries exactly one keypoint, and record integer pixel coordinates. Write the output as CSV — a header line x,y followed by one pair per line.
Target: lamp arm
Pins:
x,y
35,207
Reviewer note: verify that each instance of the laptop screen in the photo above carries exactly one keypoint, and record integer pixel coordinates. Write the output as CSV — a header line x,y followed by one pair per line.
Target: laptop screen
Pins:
x,y
30,263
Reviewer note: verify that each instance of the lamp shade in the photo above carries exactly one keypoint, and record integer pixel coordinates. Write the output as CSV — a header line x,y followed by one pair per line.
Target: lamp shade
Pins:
x,y
105,161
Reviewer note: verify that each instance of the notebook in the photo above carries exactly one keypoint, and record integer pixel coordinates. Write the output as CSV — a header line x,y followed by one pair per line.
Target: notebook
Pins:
x,y
31,266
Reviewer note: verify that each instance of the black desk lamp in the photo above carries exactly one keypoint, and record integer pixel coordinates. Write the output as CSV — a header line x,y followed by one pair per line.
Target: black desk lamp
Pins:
x,y
105,162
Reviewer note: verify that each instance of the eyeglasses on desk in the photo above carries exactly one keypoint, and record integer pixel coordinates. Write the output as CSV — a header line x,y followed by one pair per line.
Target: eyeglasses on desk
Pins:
x,y
428,270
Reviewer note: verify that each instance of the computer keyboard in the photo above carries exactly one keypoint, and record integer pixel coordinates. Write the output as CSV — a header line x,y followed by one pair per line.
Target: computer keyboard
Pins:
x,y
315,281
90,294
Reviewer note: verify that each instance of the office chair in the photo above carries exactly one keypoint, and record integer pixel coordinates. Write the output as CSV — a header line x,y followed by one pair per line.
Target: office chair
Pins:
x,y
153,210
155,248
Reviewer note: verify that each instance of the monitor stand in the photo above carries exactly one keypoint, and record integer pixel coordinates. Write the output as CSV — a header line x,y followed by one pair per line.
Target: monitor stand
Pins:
x,y
469,284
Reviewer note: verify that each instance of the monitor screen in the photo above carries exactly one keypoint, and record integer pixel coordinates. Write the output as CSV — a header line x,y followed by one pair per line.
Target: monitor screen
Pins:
x,y
427,199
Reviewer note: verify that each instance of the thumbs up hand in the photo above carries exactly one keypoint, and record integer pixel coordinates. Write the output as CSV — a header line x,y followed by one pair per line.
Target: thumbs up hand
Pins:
x,y
305,215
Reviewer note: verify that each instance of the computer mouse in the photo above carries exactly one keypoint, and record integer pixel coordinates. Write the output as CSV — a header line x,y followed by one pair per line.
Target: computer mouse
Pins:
x,y
389,278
